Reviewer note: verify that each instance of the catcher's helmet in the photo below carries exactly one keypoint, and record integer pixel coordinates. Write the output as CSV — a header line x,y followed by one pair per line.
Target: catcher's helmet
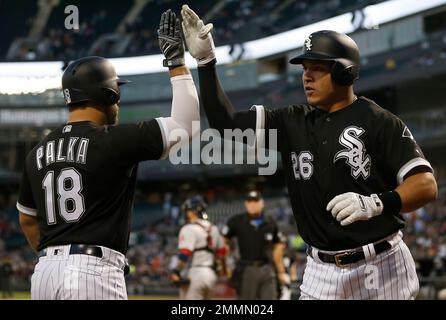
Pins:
x,y
196,204
91,79
333,46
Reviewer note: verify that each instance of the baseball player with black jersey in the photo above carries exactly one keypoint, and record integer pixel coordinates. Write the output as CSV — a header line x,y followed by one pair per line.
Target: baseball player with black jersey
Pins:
x,y
201,245
76,194
352,168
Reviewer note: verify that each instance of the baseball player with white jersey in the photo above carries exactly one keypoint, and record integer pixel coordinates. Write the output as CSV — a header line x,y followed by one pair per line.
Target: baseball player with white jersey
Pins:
x,y
352,168
202,247
76,194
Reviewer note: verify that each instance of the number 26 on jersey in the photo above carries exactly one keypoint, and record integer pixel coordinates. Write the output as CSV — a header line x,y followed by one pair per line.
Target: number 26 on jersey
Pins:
x,y
302,166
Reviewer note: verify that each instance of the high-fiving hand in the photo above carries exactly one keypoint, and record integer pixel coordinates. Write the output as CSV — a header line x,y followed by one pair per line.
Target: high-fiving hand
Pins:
x,y
170,42
197,36
350,207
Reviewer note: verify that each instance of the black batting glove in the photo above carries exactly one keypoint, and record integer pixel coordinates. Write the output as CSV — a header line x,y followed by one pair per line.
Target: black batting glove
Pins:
x,y
170,41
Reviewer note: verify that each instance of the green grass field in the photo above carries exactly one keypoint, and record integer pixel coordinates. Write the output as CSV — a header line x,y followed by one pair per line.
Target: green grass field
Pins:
x,y
27,296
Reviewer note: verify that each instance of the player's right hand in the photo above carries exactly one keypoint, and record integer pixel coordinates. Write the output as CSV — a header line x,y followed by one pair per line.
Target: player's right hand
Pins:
x,y
169,38
198,36
175,279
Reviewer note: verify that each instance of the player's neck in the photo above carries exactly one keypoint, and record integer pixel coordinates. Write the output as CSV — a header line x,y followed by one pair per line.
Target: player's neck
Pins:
x,y
88,114
343,100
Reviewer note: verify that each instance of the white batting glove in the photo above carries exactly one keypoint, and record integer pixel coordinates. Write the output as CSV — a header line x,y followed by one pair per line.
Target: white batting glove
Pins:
x,y
198,36
350,207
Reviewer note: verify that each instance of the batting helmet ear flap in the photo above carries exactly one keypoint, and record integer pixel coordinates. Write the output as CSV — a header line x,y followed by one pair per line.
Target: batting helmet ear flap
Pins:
x,y
110,97
343,75
105,97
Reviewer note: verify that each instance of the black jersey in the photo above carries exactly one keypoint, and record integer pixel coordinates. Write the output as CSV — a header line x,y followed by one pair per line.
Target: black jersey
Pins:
x,y
361,148
255,238
80,180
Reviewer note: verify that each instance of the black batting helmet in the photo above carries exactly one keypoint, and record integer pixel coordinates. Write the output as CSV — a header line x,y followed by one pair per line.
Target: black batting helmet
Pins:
x,y
333,46
91,79
196,204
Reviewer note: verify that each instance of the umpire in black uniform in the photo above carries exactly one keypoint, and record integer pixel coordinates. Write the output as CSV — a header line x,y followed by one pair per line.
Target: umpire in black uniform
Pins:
x,y
261,251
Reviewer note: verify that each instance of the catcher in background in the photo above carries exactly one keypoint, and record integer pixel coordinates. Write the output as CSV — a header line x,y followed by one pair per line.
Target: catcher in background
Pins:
x,y
201,245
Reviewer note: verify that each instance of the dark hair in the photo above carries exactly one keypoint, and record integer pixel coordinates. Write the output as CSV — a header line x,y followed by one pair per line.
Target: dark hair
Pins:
x,y
83,105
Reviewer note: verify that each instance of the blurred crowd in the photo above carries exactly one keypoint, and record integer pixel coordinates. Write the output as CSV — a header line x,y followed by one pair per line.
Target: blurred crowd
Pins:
x,y
234,22
16,258
58,44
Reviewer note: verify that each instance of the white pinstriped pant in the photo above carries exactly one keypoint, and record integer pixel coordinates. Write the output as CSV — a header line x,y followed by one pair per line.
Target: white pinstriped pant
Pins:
x,y
390,275
79,276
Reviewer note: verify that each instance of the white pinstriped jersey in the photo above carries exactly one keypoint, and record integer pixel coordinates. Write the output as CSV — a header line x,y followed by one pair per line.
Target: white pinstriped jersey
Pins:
x,y
194,236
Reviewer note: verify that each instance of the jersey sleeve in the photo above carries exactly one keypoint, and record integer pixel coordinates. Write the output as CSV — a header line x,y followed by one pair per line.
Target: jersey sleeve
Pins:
x,y
25,203
267,118
269,124
186,240
132,143
401,152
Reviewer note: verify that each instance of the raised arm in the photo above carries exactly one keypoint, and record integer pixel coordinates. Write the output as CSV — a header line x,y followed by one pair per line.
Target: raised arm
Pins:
x,y
185,106
153,139
217,106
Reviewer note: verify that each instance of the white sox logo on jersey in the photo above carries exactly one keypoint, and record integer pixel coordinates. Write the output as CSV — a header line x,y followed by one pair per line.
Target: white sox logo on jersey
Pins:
x,y
355,155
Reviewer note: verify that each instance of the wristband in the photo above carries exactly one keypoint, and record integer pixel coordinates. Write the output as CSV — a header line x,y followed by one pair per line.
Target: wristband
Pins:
x,y
391,202
208,64
173,63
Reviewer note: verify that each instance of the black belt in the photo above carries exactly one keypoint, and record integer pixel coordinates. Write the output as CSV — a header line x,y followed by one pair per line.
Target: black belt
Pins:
x,y
348,257
89,250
